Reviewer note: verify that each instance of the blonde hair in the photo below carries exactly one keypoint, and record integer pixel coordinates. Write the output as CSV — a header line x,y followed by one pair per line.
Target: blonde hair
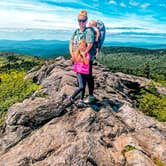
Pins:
x,y
83,13
78,53
78,56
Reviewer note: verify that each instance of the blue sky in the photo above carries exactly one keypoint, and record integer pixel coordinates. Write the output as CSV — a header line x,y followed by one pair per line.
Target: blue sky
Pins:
x,y
129,20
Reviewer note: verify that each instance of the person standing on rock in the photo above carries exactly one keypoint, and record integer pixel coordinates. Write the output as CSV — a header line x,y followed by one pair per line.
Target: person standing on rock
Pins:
x,y
84,33
81,68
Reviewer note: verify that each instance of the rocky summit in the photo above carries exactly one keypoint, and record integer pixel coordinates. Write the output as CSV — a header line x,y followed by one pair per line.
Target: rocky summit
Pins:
x,y
40,131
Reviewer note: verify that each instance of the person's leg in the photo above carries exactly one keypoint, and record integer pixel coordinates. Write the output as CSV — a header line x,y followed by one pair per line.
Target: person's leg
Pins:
x,y
77,91
90,80
80,86
81,102
84,78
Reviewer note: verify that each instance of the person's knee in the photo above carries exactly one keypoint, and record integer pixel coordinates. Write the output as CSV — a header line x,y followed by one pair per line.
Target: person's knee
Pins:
x,y
81,87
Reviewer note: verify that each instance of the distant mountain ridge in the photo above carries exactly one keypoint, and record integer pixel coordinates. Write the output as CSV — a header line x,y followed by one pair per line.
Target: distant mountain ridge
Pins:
x,y
44,48
137,45
52,48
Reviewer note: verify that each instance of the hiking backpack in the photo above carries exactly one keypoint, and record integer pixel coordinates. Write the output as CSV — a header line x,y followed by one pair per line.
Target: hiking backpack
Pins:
x,y
101,27
99,43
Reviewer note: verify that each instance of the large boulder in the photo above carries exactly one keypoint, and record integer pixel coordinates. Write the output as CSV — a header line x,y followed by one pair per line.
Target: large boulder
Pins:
x,y
111,132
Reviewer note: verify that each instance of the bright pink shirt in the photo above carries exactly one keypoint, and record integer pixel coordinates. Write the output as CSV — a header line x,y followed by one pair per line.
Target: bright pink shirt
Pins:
x,y
80,67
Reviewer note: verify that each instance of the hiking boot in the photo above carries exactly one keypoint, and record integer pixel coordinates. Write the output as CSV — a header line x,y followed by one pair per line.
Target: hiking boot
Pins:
x,y
90,99
80,104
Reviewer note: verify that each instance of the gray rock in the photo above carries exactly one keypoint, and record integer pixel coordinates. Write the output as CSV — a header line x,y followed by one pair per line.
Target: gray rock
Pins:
x,y
40,131
137,158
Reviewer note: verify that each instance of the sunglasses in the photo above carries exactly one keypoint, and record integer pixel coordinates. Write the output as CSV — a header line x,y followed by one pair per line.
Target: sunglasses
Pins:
x,y
83,21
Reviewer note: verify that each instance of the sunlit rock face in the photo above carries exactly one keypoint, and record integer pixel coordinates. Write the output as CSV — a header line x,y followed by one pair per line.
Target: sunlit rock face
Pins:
x,y
109,132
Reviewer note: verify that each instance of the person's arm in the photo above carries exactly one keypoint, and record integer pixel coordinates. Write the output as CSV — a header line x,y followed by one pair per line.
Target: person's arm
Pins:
x,y
71,45
85,59
97,34
88,47
71,48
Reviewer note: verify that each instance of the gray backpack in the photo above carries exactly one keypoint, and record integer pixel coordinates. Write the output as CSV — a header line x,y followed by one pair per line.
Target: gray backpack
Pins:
x,y
102,29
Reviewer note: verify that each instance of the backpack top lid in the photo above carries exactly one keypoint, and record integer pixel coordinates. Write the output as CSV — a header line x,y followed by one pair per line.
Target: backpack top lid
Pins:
x,y
101,27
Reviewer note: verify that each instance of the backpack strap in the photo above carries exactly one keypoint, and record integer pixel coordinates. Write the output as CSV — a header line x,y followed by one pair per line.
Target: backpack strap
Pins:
x,y
76,32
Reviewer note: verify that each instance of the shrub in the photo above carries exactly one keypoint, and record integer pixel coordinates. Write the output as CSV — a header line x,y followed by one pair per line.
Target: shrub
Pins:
x,y
14,89
152,103
128,148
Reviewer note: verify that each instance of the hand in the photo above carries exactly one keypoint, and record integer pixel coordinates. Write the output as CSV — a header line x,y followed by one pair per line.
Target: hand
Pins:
x,y
72,54
72,59
83,54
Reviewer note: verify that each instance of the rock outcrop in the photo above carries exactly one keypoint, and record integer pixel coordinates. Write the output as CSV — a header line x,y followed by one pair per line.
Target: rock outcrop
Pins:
x,y
111,132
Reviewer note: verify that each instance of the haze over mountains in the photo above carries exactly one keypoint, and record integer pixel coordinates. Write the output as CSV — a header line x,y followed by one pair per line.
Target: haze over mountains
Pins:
x,y
44,48
51,48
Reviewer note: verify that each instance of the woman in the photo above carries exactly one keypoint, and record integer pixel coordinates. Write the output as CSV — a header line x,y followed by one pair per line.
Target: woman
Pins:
x,y
83,33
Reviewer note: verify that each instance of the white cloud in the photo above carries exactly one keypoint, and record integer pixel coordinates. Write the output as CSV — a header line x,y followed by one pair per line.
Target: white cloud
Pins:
x,y
29,34
144,24
122,4
35,15
112,2
22,14
145,5
133,3
162,5
61,1
24,19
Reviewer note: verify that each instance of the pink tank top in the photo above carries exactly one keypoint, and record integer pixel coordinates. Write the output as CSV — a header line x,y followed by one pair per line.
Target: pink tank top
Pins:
x,y
80,67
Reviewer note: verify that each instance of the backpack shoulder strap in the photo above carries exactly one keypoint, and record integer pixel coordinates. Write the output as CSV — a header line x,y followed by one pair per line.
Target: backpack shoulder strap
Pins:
x,y
76,31
90,28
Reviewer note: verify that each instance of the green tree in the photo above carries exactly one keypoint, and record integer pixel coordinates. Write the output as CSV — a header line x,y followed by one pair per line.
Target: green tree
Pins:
x,y
12,58
146,70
